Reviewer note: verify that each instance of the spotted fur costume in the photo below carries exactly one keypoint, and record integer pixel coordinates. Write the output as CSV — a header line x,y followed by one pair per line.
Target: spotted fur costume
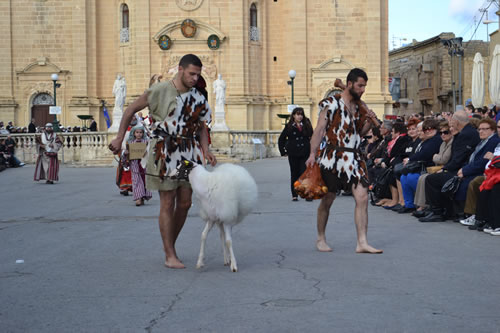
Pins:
x,y
341,155
177,134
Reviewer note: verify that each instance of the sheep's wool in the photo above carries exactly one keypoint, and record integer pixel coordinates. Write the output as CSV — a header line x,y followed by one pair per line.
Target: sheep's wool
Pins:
x,y
342,131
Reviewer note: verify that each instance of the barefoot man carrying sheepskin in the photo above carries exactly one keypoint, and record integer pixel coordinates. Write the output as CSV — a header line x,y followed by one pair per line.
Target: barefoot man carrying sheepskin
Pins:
x,y
180,112
343,124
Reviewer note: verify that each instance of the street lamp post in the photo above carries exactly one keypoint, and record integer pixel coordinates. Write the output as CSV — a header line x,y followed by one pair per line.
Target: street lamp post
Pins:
x,y
455,48
54,78
292,75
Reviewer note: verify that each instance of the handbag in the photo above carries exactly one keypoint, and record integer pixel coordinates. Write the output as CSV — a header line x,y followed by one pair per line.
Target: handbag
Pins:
x,y
451,186
434,169
413,167
381,187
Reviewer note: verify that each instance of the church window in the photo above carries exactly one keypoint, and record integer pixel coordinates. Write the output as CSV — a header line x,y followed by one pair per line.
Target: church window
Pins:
x,y
124,31
254,30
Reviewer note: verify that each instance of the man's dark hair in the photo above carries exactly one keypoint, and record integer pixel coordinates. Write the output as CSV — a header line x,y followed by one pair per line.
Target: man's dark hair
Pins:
x,y
190,59
356,73
399,127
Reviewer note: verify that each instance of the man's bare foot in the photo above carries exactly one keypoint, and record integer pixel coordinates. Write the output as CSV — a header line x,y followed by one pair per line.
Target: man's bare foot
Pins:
x,y
322,246
174,263
367,249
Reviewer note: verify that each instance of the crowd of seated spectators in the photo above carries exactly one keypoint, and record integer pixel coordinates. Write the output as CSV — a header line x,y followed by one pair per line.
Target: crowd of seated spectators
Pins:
x,y
440,167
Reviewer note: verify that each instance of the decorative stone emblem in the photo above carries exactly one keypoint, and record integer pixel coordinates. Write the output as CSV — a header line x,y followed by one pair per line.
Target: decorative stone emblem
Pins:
x,y
188,28
189,5
213,42
165,43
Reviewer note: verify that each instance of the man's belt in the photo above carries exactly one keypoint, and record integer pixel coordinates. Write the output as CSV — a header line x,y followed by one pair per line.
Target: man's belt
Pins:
x,y
163,134
350,150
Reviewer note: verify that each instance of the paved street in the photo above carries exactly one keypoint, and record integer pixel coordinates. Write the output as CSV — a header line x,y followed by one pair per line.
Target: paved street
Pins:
x,y
93,262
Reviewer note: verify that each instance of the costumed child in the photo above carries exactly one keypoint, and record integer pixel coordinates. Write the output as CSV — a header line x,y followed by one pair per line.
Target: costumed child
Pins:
x,y
123,173
138,173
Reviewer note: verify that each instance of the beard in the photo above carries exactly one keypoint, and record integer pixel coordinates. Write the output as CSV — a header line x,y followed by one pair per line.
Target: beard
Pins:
x,y
354,95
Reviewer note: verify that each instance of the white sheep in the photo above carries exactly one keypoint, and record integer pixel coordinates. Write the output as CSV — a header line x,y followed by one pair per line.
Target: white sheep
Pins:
x,y
227,194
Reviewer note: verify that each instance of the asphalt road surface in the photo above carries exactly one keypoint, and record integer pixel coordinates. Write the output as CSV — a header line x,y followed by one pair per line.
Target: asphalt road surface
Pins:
x,y
93,262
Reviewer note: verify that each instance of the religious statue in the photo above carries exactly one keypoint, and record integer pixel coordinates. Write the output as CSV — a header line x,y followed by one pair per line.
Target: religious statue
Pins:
x,y
219,86
120,92
220,91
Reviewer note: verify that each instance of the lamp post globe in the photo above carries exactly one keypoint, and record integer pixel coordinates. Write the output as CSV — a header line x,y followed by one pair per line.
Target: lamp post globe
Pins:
x,y
292,73
54,77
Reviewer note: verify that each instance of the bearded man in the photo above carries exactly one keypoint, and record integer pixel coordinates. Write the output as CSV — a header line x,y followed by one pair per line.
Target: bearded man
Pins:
x,y
180,111
343,124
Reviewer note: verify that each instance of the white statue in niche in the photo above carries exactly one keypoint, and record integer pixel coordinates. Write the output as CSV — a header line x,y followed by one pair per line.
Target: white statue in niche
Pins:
x,y
120,93
220,91
219,88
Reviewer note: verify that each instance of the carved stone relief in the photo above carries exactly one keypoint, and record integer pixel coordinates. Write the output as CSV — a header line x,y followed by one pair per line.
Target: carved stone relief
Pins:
x,y
189,5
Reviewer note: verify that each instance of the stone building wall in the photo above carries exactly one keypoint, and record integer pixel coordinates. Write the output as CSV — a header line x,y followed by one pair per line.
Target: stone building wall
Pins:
x,y
426,72
80,40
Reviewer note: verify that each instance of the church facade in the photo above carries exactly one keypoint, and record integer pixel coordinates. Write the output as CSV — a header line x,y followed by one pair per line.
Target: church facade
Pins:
x,y
252,44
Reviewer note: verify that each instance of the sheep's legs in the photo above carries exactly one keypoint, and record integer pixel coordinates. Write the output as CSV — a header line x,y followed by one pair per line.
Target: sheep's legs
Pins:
x,y
229,244
204,234
227,260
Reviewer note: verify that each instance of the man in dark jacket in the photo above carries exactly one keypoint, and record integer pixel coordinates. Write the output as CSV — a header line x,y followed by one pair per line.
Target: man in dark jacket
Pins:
x,y
32,127
462,147
93,126
489,140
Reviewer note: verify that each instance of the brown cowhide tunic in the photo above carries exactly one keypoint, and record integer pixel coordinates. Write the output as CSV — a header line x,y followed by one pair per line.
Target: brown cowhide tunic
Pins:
x,y
343,130
176,135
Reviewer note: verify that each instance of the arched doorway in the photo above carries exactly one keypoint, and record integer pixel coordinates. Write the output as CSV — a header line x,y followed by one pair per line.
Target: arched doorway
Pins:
x,y
40,109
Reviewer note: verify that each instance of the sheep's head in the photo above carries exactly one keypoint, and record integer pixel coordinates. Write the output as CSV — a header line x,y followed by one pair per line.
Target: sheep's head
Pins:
x,y
183,169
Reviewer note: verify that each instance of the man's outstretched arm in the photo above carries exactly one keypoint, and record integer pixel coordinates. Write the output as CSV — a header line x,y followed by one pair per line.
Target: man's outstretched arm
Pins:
x,y
136,106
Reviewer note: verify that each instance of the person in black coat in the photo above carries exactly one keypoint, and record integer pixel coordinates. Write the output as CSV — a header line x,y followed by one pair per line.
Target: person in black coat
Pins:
x,y
464,143
477,162
396,151
93,126
294,143
32,127
421,158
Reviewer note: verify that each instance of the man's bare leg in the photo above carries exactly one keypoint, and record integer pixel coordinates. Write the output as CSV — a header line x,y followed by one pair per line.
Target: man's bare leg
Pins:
x,y
168,228
360,194
322,220
182,205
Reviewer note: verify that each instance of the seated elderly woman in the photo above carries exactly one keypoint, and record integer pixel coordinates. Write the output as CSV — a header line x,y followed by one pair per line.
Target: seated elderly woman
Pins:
x,y
439,159
374,149
419,161
394,155
473,190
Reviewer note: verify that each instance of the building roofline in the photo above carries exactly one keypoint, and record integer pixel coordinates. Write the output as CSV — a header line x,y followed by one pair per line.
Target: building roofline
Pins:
x,y
417,45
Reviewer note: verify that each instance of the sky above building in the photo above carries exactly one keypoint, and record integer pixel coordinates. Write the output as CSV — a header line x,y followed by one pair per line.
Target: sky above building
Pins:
x,y
423,19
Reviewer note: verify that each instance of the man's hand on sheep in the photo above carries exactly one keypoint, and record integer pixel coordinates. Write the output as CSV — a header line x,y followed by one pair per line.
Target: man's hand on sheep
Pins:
x,y
211,159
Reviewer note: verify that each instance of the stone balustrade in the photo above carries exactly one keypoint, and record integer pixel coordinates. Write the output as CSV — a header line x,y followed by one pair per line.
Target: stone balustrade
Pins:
x,y
80,148
91,148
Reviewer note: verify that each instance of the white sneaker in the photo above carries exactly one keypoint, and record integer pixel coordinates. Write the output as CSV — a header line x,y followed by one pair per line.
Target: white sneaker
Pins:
x,y
488,230
471,220
495,232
